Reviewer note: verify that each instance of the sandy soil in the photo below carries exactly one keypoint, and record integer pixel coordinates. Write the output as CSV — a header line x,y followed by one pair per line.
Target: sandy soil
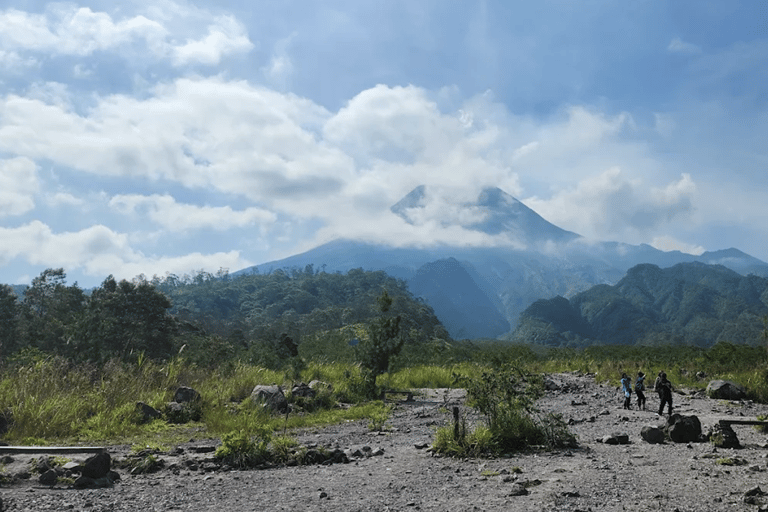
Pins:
x,y
407,476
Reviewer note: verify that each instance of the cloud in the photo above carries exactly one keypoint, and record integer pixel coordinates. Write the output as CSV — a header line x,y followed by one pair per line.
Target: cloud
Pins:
x,y
63,199
667,243
173,216
614,205
99,251
677,45
64,29
225,36
68,30
18,185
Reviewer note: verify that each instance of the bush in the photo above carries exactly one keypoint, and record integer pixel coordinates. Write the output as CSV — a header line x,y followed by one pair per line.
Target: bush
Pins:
x,y
507,400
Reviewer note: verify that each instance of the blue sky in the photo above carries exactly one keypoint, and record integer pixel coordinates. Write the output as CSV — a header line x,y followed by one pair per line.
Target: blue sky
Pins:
x,y
154,137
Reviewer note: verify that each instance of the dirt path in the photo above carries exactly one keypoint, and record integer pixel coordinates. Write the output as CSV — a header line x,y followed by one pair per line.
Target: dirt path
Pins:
x,y
406,476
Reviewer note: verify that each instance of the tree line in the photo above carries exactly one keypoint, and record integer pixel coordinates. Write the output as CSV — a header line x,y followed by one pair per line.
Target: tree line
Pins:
x,y
207,318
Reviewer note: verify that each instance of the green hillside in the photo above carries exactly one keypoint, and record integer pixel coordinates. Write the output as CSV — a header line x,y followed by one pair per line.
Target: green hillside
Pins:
x,y
687,304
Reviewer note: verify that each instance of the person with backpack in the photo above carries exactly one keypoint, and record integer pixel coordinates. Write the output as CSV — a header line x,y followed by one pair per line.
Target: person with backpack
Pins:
x,y
665,394
640,390
626,386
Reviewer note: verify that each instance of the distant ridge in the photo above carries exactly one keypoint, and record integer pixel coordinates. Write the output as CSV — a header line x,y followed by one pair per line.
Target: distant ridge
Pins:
x,y
545,262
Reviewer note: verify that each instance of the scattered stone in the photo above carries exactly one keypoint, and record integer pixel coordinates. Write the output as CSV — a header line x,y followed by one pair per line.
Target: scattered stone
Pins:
x,y
518,490
722,435
271,397
653,435
146,412
616,438
303,390
725,390
186,394
50,477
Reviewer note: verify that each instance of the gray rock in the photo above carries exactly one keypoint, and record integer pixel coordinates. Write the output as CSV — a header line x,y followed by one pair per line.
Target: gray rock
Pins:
x,y
517,490
319,385
50,477
97,466
303,390
616,438
186,394
684,429
271,397
725,390
653,435
146,412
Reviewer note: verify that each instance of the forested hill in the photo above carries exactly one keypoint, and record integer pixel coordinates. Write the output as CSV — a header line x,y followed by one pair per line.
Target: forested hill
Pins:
x,y
296,302
689,303
208,318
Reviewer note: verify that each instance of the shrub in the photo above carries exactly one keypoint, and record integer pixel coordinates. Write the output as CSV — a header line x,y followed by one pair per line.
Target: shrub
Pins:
x,y
506,398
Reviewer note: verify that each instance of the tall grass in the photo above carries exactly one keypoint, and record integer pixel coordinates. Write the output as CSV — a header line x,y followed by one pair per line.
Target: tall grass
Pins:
x,y
54,399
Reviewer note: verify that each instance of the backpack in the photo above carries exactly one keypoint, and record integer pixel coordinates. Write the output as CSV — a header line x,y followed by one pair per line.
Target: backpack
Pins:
x,y
640,385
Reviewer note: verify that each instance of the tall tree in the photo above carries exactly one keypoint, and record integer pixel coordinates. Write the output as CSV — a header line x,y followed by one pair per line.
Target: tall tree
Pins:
x,y
50,311
125,319
9,310
384,342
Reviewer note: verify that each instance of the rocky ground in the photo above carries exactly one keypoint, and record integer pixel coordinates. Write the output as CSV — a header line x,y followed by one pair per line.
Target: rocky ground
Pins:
x,y
397,471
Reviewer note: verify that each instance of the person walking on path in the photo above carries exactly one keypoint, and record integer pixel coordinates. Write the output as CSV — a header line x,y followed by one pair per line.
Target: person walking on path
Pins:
x,y
656,384
665,394
626,387
640,390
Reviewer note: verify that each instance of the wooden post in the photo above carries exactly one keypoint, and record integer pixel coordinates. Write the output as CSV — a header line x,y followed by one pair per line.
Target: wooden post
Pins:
x,y
456,423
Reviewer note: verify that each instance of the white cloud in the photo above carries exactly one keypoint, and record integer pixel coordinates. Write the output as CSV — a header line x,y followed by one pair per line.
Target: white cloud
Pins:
x,y
613,205
63,199
677,45
18,185
173,216
98,251
66,29
667,243
225,36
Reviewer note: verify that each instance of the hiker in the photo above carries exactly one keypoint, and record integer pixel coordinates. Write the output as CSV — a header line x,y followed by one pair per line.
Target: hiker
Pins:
x,y
656,385
626,386
640,390
665,393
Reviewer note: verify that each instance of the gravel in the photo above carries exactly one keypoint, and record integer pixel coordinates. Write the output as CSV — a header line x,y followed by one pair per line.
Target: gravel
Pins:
x,y
399,472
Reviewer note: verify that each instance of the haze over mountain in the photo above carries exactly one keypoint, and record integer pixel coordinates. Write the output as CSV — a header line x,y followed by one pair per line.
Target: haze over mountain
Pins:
x,y
516,257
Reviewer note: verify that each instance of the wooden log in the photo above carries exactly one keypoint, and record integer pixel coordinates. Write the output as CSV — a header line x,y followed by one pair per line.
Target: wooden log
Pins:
x,y
52,449
743,422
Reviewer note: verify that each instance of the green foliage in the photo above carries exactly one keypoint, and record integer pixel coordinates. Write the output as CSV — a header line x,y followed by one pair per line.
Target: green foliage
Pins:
x,y
242,449
378,419
384,341
687,304
506,398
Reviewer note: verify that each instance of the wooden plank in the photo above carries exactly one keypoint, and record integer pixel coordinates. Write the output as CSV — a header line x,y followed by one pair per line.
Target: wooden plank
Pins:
x,y
52,449
745,422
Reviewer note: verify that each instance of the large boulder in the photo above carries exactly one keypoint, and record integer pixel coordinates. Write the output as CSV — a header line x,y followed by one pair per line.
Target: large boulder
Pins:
x,y
653,435
271,397
684,429
725,390
97,466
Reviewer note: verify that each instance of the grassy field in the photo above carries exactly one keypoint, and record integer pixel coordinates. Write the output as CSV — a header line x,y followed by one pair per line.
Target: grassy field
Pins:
x,y
49,400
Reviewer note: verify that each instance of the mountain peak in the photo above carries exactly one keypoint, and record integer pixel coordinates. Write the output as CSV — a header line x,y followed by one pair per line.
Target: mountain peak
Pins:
x,y
494,212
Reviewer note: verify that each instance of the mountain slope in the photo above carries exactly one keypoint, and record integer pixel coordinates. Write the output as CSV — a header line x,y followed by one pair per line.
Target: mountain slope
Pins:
x,y
544,262
689,303
457,299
